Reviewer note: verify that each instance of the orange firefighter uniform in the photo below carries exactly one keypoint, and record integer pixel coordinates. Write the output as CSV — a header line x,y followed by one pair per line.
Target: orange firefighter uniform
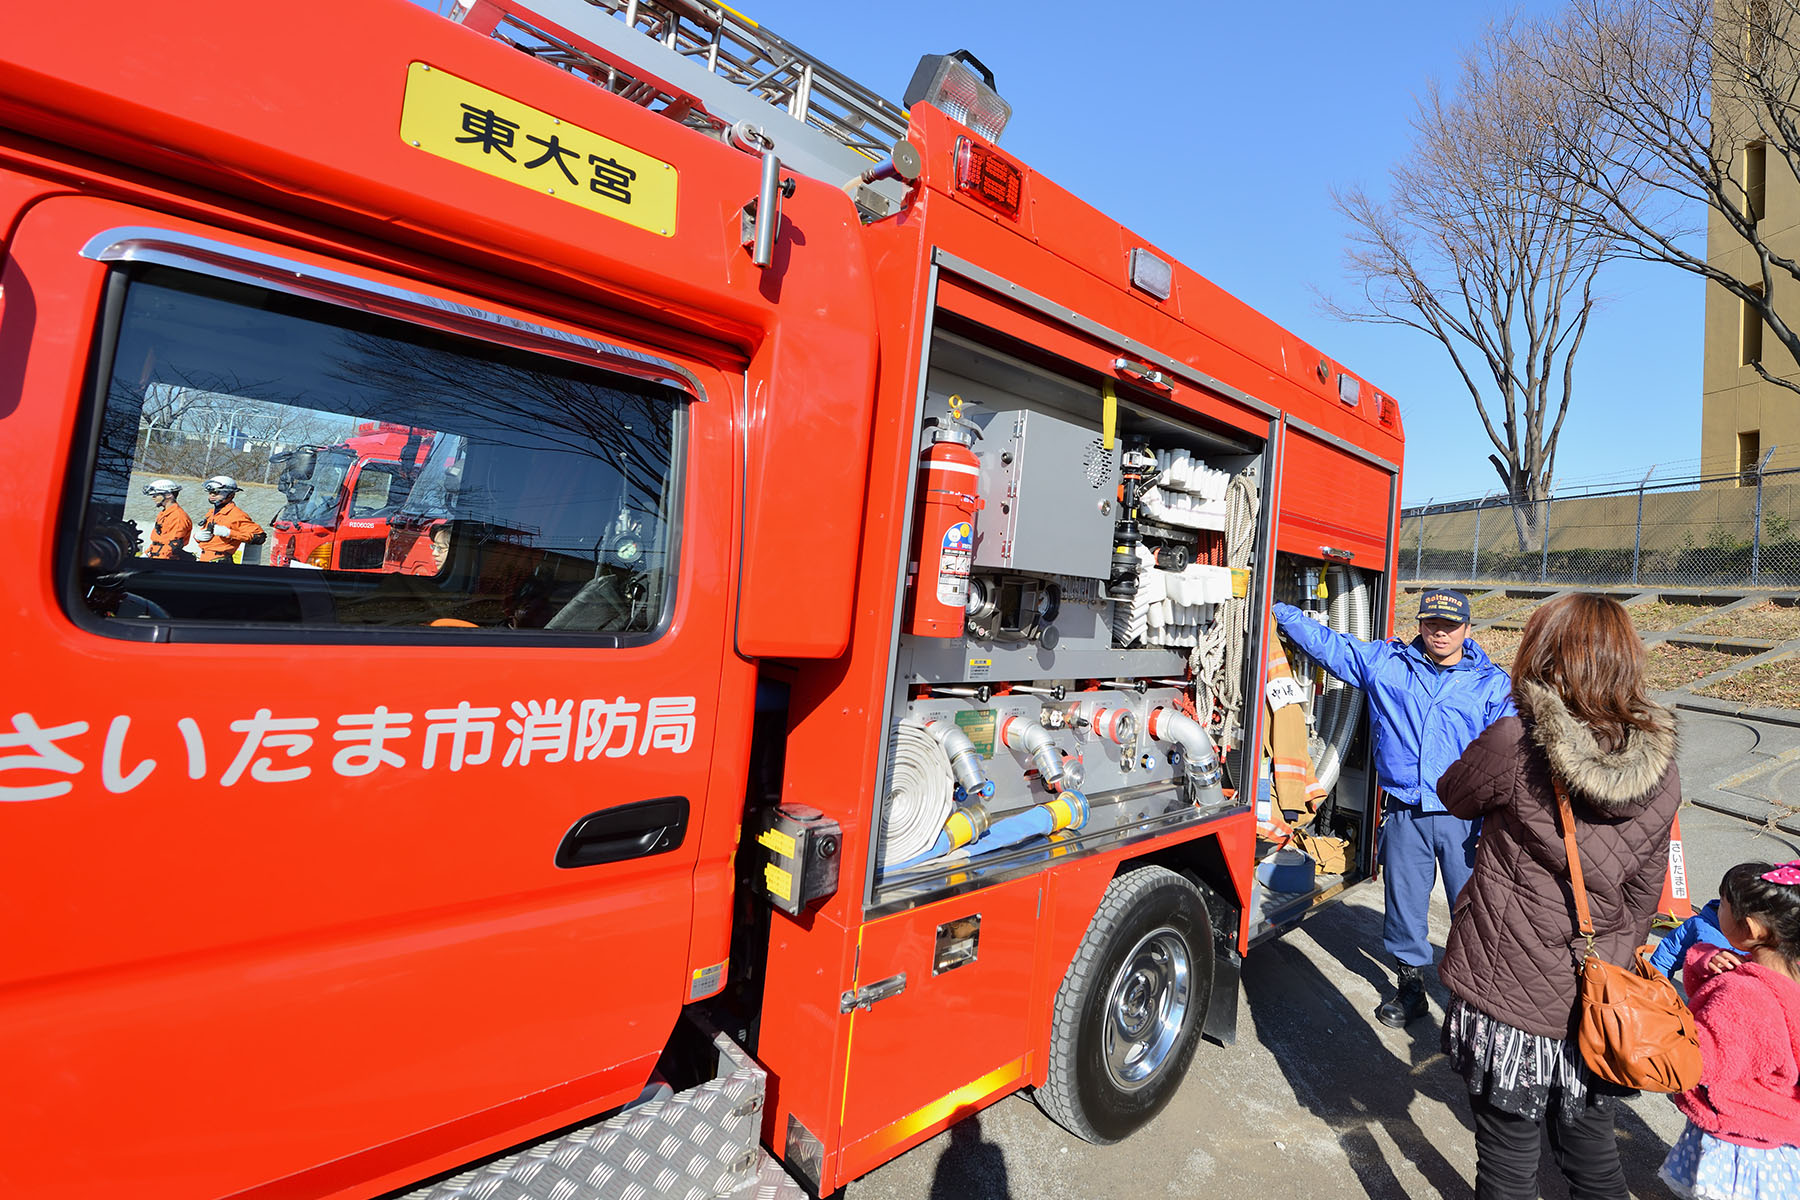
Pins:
x,y
239,530
169,537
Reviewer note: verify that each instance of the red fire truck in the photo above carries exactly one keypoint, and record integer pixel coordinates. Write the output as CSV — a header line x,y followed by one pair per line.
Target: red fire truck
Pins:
x,y
340,496
818,685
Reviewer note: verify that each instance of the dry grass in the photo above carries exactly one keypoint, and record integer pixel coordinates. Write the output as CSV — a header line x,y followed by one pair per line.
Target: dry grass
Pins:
x,y
1775,622
1489,608
1500,644
1771,685
1677,666
1655,617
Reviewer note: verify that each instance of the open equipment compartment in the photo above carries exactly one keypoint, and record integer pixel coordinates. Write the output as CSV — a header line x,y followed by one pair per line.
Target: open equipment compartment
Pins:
x,y
1106,590
1351,600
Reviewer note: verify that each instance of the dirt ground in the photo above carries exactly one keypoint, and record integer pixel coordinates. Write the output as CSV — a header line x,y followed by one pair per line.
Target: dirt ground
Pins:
x,y
1672,666
1768,685
1657,617
1776,622
1316,1100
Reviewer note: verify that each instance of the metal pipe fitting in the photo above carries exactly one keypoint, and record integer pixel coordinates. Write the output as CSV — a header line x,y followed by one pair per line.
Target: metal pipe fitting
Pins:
x,y
1019,734
1200,759
1114,724
965,759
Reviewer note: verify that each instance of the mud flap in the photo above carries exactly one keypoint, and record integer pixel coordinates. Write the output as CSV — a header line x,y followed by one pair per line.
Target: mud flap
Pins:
x,y
1220,1025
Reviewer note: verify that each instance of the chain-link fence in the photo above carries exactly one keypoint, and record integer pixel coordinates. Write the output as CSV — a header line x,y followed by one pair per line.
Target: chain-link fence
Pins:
x,y
1722,531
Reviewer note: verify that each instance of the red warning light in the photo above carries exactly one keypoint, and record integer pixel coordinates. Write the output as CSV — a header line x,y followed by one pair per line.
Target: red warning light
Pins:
x,y
982,172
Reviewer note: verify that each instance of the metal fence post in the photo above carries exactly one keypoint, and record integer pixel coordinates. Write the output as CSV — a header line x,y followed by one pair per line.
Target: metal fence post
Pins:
x,y
1637,537
1475,553
1756,534
1419,558
1544,531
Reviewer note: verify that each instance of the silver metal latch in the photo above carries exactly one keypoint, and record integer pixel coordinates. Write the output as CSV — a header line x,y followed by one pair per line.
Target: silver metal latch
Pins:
x,y
1144,371
1339,555
863,997
761,218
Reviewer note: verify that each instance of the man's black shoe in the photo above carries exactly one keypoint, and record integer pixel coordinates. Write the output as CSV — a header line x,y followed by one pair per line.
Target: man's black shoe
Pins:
x,y
1408,1002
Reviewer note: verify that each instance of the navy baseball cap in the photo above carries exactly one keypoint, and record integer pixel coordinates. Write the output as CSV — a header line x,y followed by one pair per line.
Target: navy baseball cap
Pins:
x,y
1444,605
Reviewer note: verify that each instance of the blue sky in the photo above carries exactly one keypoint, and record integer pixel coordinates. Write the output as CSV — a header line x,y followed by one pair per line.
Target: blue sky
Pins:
x,y
1218,131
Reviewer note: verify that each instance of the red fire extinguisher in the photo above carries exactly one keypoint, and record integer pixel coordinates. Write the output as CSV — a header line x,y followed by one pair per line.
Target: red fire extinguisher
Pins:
x,y
944,548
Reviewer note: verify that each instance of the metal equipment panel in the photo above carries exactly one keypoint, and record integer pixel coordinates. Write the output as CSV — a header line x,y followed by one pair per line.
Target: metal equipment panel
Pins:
x,y
1051,489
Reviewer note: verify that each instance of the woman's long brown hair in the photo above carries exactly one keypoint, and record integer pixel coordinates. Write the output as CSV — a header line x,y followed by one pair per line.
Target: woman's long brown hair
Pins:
x,y
1583,647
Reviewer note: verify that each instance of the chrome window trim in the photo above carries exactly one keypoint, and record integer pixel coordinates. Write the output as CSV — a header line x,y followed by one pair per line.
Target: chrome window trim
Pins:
x,y
222,260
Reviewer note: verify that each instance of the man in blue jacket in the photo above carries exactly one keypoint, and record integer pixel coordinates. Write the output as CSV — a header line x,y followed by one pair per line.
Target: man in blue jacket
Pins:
x,y
1428,699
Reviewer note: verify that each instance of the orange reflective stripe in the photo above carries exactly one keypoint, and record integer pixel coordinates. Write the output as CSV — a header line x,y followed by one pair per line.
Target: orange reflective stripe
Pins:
x,y
1296,783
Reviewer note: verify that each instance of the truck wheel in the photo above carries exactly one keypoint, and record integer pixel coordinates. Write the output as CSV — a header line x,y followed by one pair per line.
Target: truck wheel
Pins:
x,y
1129,1011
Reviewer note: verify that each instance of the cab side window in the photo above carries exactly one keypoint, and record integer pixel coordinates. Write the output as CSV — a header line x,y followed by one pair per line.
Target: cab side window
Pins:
x,y
261,459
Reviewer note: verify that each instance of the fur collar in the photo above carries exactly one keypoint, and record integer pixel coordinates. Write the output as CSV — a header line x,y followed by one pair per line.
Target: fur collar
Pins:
x,y
1607,781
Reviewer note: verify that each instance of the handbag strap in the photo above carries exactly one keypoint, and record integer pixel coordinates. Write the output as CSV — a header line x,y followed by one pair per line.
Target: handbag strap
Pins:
x,y
1567,812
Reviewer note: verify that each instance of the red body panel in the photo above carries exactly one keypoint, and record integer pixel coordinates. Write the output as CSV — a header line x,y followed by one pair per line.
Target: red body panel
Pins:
x,y
1064,251
1351,516
332,987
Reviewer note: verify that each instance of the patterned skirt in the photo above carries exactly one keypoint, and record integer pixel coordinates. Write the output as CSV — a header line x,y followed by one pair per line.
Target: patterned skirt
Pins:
x,y
1704,1167
1525,1074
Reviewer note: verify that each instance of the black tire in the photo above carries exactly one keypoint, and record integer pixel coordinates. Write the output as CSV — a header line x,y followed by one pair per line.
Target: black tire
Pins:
x,y
1128,1013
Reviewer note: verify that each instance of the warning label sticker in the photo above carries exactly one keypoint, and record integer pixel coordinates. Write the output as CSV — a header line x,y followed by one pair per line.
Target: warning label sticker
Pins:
x,y
954,560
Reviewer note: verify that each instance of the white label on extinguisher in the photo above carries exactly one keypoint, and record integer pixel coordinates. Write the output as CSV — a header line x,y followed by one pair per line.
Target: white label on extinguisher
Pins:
x,y
954,560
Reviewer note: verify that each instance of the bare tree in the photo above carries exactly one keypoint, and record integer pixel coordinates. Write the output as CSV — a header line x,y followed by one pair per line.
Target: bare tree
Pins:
x,y
1693,102
1475,247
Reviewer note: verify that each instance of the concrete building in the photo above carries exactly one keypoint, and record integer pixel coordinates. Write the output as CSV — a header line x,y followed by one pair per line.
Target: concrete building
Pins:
x,y
1743,416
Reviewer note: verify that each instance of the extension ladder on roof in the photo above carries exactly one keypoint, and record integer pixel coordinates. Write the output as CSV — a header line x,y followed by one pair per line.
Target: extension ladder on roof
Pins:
x,y
707,66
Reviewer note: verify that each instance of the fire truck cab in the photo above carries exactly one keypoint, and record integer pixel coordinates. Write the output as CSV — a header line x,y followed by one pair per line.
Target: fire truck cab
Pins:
x,y
341,496
816,678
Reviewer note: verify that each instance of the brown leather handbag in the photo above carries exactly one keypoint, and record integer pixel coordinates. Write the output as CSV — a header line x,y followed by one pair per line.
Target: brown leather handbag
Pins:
x,y
1634,1029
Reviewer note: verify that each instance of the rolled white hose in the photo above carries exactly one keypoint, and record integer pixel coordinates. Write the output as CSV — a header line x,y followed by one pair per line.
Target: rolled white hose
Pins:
x,y
921,792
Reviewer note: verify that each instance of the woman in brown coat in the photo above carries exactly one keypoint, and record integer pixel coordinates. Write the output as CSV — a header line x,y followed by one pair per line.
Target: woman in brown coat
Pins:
x,y
1583,719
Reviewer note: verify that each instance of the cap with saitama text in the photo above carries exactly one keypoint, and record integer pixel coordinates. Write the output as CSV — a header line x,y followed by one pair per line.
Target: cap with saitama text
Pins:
x,y
1444,605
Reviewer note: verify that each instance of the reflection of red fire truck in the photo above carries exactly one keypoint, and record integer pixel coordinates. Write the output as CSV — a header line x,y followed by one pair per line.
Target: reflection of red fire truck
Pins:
x,y
340,497
885,730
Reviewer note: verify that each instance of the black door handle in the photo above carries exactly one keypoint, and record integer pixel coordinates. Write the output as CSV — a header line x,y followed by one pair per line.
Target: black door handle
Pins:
x,y
636,830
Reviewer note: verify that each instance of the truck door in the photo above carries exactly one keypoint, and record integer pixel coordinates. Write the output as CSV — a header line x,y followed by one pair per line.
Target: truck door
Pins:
x,y
332,875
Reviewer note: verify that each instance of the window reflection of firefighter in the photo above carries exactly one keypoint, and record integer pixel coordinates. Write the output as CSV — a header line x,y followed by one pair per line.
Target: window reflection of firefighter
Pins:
x,y
226,528
169,537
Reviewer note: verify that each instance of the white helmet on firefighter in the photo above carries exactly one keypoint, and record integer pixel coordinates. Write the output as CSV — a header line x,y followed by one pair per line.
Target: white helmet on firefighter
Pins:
x,y
162,487
222,483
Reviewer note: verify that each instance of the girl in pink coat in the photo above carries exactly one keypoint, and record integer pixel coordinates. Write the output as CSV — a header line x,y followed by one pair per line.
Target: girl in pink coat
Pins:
x,y
1742,1140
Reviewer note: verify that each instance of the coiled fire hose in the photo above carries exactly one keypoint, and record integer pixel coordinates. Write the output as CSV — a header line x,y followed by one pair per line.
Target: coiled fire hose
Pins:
x,y
921,793
921,779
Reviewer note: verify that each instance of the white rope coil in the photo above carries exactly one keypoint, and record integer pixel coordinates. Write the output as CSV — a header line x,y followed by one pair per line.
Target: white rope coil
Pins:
x,y
921,792
1218,659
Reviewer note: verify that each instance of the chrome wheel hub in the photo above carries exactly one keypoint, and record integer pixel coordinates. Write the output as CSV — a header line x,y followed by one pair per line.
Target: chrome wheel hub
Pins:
x,y
1146,1007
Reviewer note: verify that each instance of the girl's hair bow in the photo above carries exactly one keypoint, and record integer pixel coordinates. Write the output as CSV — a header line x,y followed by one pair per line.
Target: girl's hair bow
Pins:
x,y
1788,873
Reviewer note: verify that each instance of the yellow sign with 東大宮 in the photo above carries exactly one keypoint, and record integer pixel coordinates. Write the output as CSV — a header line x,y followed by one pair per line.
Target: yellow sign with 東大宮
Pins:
x,y
496,135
